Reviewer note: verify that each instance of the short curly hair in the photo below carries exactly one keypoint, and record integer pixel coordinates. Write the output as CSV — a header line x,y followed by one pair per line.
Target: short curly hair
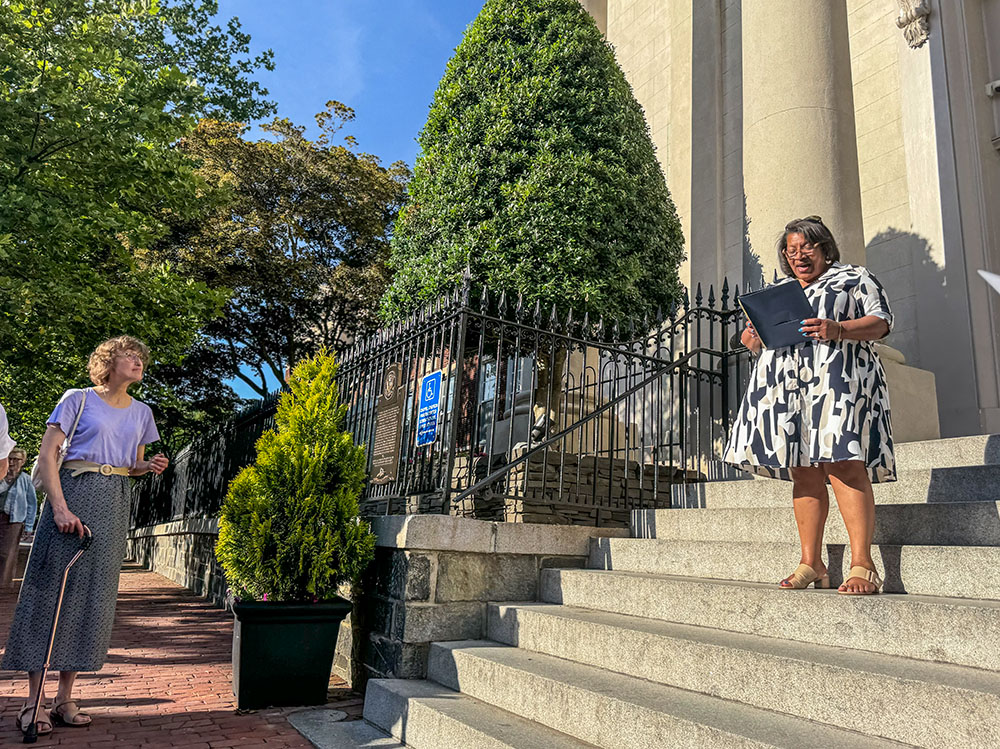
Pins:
x,y
814,231
102,361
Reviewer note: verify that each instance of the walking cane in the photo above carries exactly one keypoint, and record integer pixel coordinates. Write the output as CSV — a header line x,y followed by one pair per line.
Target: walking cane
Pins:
x,y
31,735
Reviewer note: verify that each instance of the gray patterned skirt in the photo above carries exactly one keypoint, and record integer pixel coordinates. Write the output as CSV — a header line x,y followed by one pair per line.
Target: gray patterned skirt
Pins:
x,y
88,608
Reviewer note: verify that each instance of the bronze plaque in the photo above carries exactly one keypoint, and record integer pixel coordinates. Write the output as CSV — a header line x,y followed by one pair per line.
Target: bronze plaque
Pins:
x,y
388,425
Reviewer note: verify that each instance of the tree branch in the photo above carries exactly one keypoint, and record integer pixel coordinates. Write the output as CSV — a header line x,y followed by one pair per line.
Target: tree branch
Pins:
x,y
259,389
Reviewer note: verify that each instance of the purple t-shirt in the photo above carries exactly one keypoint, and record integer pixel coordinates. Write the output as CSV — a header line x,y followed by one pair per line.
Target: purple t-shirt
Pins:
x,y
105,434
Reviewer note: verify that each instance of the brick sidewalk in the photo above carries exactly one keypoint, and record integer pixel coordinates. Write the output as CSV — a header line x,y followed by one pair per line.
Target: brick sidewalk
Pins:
x,y
166,682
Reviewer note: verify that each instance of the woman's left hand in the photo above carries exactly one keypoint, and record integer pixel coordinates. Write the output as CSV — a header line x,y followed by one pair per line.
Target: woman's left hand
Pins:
x,y
819,329
157,464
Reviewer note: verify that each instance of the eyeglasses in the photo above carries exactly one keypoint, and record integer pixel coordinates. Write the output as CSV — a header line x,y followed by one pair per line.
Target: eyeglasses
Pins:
x,y
132,357
806,250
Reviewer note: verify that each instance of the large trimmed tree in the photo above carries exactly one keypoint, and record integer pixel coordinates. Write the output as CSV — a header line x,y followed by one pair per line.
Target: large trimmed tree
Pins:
x,y
538,173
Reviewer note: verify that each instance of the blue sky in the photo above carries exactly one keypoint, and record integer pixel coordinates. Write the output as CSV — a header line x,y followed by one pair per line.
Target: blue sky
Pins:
x,y
382,58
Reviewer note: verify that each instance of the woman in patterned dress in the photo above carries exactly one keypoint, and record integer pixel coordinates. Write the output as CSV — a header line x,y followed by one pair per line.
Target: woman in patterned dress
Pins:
x,y
818,412
91,489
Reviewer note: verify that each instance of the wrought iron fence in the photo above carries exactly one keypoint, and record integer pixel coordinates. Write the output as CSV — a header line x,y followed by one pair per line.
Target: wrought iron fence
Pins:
x,y
200,473
540,417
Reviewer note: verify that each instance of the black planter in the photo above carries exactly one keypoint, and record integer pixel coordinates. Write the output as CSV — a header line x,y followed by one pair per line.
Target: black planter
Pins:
x,y
283,652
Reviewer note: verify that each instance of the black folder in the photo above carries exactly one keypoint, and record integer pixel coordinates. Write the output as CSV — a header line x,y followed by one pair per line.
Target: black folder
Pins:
x,y
777,313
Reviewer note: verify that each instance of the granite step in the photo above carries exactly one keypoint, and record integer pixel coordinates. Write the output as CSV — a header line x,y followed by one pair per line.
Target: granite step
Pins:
x,y
426,715
927,704
953,524
959,571
947,630
913,486
612,710
979,449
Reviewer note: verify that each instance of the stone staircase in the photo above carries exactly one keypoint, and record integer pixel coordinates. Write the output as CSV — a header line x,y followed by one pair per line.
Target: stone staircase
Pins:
x,y
680,637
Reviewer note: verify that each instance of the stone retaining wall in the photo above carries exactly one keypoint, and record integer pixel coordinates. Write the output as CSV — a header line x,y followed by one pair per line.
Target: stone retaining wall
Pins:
x,y
432,577
430,580
182,551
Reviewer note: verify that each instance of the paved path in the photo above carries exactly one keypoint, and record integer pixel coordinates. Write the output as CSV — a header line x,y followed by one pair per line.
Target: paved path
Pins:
x,y
166,682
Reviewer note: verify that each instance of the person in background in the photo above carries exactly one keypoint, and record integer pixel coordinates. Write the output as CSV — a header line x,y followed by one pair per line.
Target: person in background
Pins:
x,y
19,507
6,443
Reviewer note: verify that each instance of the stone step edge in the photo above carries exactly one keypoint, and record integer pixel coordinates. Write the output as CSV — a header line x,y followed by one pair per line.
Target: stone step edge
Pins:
x,y
908,598
895,607
986,441
603,550
925,524
623,694
815,682
876,664
485,724
920,476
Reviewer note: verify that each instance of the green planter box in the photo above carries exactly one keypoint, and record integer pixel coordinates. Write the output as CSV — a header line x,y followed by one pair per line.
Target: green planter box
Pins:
x,y
283,652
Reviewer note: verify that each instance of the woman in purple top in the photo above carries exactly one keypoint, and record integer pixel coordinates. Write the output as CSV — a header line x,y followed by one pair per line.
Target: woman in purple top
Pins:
x,y
91,489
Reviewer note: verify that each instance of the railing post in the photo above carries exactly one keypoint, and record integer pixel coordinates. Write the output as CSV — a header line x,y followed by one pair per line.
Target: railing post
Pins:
x,y
724,359
454,407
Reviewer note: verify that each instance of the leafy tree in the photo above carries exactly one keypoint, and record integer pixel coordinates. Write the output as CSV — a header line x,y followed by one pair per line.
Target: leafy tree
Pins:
x,y
537,171
300,240
94,95
190,397
289,527
181,34
150,304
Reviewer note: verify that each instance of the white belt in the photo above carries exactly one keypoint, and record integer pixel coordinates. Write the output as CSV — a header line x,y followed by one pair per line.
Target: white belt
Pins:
x,y
86,466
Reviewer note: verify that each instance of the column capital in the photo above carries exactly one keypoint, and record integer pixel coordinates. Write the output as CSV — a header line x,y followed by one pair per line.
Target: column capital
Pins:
x,y
913,21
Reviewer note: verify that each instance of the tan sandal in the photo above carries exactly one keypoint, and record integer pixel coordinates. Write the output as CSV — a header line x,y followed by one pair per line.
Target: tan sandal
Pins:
x,y
43,725
803,576
865,574
59,715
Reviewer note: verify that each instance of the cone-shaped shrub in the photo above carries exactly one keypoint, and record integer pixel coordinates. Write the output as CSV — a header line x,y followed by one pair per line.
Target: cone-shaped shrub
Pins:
x,y
537,170
289,527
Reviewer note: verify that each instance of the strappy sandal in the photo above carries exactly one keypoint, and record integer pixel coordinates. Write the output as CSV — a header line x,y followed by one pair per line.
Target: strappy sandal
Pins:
x,y
865,574
42,723
59,716
803,576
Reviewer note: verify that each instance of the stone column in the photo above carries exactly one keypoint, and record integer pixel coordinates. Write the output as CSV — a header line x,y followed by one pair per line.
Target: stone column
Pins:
x,y
599,10
800,152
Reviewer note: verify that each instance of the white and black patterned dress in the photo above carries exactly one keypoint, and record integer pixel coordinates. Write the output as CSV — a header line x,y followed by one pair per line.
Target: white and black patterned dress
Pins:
x,y
820,401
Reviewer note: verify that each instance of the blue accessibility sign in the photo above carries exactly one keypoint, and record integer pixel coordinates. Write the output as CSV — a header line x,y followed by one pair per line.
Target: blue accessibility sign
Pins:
x,y
430,407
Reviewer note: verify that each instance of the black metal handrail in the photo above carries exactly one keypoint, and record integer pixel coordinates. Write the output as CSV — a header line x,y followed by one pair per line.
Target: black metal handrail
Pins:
x,y
562,434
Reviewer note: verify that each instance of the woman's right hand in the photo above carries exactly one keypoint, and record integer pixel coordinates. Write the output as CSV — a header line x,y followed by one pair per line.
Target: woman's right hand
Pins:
x,y
67,522
751,340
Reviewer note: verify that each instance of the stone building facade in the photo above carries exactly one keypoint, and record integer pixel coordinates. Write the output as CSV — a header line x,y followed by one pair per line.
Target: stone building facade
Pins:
x,y
882,116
